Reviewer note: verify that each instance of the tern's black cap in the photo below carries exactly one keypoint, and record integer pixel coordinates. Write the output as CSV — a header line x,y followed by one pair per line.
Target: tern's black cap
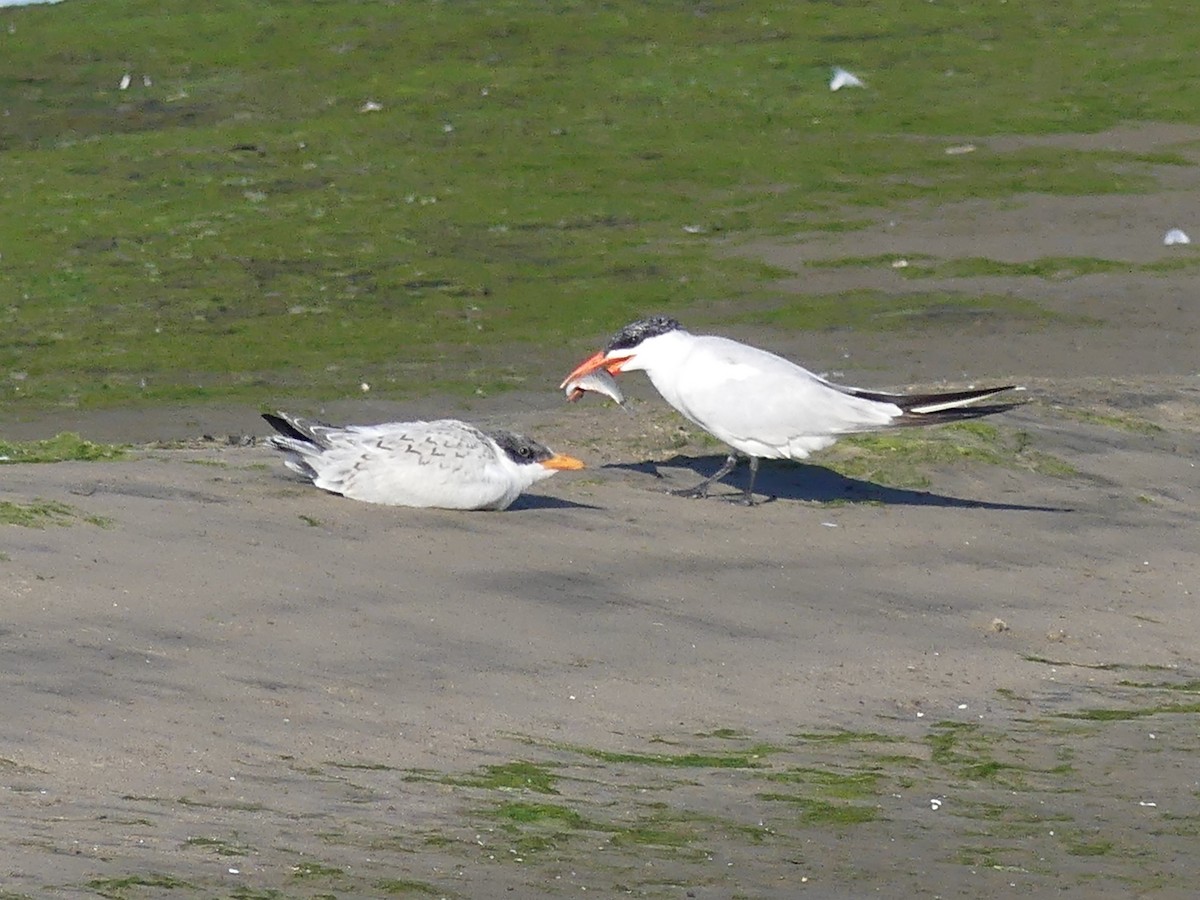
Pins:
x,y
643,329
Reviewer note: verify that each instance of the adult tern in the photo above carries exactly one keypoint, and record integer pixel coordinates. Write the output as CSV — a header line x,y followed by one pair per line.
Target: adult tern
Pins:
x,y
761,404
444,463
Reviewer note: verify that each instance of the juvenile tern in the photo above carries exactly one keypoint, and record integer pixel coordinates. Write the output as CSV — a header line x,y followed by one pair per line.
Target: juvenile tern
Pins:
x,y
444,463
760,404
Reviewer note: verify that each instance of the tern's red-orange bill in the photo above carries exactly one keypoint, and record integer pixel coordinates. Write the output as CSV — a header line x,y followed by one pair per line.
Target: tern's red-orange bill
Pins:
x,y
591,364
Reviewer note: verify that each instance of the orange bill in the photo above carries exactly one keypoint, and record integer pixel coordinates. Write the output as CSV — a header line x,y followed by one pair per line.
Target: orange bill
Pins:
x,y
562,461
592,363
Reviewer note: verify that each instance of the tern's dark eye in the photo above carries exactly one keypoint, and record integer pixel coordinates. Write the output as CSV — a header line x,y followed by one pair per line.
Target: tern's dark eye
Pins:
x,y
526,452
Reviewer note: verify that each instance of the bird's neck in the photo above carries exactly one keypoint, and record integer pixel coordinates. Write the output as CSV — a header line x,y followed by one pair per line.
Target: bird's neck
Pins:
x,y
663,359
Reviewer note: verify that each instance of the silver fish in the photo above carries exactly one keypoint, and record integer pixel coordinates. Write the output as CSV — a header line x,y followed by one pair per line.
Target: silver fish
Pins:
x,y
598,382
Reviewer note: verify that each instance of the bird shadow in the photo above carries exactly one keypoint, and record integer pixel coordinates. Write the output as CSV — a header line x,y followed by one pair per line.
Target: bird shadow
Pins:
x,y
540,501
817,484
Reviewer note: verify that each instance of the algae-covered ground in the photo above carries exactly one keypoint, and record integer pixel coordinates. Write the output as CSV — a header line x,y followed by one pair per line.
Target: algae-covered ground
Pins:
x,y
999,808
300,198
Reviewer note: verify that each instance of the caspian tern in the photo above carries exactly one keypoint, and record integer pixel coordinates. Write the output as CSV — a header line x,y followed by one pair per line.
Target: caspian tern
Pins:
x,y
444,463
761,404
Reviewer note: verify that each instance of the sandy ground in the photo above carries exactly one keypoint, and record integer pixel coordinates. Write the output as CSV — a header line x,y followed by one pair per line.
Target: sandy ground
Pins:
x,y
231,684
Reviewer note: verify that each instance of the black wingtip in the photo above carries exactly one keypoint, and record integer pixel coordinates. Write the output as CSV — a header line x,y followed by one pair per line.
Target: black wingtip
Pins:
x,y
954,414
280,423
957,399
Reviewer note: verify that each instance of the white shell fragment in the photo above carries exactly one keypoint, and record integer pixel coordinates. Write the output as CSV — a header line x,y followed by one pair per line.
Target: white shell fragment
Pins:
x,y
125,80
597,382
1176,236
841,78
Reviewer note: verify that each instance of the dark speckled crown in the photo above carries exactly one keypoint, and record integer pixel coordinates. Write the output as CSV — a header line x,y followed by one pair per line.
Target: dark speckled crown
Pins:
x,y
519,448
636,332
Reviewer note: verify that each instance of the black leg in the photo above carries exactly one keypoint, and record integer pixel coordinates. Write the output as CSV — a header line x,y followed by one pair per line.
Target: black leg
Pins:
x,y
748,499
701,490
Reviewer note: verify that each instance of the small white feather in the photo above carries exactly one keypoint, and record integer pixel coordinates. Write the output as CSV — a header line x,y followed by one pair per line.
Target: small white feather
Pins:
x,y
841,78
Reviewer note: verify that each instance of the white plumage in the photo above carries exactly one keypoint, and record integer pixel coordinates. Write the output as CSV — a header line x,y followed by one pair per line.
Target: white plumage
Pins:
x,y
753,400
444,463
761,404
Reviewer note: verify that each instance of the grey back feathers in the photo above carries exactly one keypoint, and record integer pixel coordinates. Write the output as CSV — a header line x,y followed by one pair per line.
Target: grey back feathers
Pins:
x,y
643,329
298,438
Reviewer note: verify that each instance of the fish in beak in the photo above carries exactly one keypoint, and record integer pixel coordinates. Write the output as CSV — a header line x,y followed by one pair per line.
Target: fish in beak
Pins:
x,y
597,381
596,361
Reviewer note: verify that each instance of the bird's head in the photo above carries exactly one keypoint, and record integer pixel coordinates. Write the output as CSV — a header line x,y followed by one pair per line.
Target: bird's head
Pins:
x,y
622,352
526,452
